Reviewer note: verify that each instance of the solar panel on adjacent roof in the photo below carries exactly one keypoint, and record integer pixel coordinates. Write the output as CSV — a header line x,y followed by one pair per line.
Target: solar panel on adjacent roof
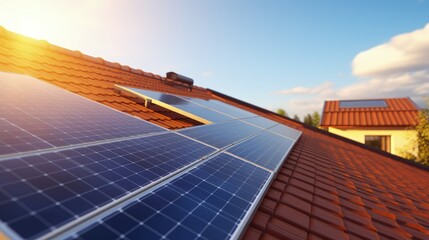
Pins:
x,y
51,189
210,201
221,134
266,149
363,103
178,104
59,117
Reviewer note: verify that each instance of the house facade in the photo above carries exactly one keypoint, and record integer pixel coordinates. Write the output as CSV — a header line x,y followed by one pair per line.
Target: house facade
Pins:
x,y
385,124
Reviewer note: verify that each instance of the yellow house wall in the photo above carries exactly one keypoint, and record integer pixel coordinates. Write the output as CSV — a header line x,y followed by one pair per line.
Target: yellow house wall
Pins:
x,y
399,139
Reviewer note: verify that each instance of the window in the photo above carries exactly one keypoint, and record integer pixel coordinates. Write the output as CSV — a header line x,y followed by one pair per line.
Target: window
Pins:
x,y
379,142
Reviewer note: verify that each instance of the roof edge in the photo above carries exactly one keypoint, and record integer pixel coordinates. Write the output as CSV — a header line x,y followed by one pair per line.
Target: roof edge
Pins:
x,y
321,131
73,53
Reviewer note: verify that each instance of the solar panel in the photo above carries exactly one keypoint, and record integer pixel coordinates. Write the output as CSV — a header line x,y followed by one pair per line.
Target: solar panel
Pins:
x,y
51,189
14,139
221,107
59,117
242,113
266,149
221,134
363,103
260,122
210,201
286,131
179,105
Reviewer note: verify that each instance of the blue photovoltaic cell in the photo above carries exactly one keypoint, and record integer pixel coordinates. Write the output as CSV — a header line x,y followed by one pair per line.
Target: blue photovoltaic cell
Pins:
x,y
363,103
221,134
42,192
59,117
208,202
242,113
222,107
266,149
286,131
185,105
260,122
14,139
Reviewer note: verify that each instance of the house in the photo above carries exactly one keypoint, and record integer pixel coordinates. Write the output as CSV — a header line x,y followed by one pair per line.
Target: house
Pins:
x,y
386,124
328,187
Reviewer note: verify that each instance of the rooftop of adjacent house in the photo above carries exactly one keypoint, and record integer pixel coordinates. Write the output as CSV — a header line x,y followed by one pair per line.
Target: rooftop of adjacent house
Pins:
x,y
327,188
389,112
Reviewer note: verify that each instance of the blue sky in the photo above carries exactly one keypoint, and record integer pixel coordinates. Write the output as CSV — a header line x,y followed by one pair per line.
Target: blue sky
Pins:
x,y
275,54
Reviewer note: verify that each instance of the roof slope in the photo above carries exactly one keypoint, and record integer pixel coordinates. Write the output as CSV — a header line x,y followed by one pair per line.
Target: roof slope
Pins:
x,y
93,78
328,187
400,112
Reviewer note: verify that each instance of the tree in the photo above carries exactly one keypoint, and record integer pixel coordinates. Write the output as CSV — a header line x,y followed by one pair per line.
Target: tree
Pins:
x,y
423,137
308,119
282,112
421,143
296,118
312,119
315,119
419,150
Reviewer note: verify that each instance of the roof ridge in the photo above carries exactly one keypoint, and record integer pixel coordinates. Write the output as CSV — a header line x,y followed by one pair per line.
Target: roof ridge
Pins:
x,y
4,33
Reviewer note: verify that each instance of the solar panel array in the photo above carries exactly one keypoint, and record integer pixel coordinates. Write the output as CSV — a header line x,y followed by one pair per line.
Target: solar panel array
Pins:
x,y
72,168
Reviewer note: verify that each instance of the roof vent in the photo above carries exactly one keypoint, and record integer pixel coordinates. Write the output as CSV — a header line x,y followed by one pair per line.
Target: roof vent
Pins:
x,y
180,79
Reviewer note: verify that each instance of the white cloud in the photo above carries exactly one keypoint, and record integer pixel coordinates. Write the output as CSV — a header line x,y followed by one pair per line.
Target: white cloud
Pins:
x,y
398,68
207,74
403,53
324,88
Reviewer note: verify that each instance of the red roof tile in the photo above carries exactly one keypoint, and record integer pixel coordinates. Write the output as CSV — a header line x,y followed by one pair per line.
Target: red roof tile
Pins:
x,y
90,77
400,112
327,188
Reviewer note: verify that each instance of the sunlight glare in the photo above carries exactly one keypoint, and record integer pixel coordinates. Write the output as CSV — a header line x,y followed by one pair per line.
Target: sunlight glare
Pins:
x,y
30,27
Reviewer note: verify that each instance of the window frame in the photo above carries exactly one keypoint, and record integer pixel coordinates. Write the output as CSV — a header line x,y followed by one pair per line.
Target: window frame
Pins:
x,y
384,142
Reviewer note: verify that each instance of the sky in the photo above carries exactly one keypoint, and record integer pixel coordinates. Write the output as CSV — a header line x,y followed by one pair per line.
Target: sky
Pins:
x,y
291,54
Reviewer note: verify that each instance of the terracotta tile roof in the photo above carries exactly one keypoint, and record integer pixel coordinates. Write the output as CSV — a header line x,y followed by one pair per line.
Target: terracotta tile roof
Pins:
x,y
90,77
328,187
400,112
331,189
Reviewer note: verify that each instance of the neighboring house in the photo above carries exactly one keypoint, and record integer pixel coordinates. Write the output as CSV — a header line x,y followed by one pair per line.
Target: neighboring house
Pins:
x,y
386,124
328,187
